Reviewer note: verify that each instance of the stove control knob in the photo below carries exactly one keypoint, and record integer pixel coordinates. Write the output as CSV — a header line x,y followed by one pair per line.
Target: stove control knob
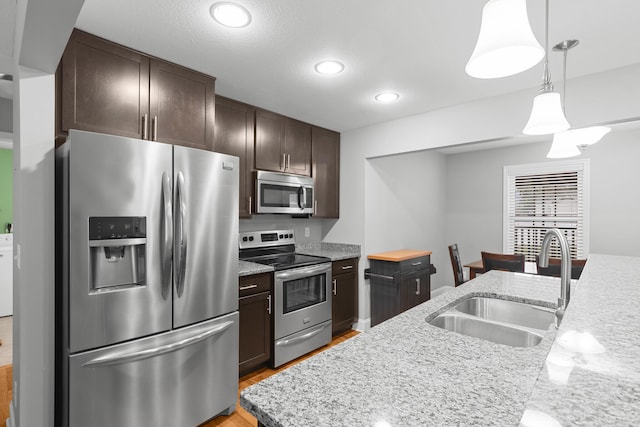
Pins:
x,y
280,236
251,238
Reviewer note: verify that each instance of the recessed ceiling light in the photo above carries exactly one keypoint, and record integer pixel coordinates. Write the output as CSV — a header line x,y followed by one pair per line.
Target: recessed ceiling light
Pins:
x,y
387,97
230,14
329,67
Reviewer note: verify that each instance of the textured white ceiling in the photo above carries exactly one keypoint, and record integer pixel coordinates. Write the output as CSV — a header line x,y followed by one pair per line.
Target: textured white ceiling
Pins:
x,y
417,48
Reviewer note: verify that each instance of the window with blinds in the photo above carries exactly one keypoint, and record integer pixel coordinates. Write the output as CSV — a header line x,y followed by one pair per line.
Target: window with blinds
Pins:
x,y
543,196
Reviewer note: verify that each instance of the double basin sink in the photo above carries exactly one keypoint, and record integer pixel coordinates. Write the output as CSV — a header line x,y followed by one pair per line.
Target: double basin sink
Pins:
x,y
504,322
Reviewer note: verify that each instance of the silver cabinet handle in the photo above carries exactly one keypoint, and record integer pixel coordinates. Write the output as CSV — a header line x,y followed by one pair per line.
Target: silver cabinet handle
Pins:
x,y
145,124
288,161
116,359
244,288
315,207
167,228
181,239
335,286
417,286
269,304
249,205
284,161
347,267
154,134
416,263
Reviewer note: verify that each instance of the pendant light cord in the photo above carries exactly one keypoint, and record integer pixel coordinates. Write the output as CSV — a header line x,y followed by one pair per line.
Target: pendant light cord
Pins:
x,y
547,86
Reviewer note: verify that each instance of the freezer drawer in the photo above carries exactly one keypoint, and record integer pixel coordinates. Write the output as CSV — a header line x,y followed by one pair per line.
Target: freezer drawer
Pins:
x,y
178,378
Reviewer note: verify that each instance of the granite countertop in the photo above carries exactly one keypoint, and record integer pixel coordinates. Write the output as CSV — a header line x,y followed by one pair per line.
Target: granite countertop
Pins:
x,y
405,372
247,268
592,373
335,251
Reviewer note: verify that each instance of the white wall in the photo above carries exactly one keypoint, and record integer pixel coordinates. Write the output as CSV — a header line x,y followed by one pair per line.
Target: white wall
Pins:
x,y
604,97
474,204
404,204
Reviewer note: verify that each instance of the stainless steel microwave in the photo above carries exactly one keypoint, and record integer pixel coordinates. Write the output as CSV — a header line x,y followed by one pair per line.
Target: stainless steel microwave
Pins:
x,y
283,193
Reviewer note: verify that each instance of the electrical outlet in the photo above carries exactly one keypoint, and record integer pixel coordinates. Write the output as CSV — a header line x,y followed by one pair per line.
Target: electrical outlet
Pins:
x,y
307,232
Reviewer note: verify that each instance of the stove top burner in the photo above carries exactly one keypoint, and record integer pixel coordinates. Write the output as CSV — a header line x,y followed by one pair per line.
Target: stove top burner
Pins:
x,y
289,260
276,249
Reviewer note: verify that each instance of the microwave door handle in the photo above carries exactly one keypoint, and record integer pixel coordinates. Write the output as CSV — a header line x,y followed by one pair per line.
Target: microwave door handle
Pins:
x,y
301,197
167,228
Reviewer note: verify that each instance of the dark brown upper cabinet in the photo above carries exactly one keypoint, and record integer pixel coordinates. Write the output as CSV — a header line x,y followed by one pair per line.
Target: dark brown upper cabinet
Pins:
x,y
282,144
108,88
234,135
181,106
325,155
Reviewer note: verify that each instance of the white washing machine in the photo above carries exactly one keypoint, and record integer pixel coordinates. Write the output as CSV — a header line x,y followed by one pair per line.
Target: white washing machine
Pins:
x,y
6,275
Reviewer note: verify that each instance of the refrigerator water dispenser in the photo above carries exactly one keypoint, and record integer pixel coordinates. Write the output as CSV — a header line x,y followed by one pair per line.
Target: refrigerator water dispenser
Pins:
x,y
117,253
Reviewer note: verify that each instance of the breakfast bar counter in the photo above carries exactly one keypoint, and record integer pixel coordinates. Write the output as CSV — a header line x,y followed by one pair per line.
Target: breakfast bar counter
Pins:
x,y
405,372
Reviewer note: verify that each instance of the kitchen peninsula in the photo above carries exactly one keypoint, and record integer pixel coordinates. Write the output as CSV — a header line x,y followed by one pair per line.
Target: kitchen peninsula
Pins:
x,y
406,372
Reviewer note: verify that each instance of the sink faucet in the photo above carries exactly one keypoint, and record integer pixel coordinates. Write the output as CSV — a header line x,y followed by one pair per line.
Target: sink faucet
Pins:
x,y
565,268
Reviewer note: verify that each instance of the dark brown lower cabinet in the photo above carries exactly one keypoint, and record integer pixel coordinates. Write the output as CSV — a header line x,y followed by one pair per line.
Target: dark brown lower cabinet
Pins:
x,y
255,305
398,286
344,308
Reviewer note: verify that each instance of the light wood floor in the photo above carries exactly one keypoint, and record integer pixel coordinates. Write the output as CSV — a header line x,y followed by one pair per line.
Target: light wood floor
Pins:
x,y
6,378
241,418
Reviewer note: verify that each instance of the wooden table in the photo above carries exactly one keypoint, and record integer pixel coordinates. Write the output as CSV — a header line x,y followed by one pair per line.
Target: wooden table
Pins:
x,y
475,267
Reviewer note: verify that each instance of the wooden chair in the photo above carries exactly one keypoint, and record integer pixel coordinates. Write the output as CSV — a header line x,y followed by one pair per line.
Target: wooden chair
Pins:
x,y
458,272
504,262
577,265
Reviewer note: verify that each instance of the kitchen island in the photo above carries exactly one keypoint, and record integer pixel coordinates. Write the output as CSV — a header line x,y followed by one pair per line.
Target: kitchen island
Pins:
x,y
405,372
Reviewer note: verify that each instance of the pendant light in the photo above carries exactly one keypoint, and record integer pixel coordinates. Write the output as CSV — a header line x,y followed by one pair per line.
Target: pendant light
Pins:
x,y
569,142
546,115
506,45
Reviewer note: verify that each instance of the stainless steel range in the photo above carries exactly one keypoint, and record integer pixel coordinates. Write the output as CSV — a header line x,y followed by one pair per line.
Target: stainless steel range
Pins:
x,y
302,317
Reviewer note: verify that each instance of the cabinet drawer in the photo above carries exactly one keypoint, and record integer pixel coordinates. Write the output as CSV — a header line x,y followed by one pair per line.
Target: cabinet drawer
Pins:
x,y
414,264
256,283
344,266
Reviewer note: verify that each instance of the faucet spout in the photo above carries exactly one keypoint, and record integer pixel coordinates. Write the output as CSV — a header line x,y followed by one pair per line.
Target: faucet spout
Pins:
x,y
565,268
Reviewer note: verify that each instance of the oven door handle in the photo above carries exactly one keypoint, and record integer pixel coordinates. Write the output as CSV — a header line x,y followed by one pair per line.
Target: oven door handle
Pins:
x,y
308,335
303,272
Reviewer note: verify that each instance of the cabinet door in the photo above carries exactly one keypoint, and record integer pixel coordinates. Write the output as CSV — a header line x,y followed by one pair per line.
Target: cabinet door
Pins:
x,y
269,141
104,87
415,289
234,135
255,331
325,155
344,311
297,147
181,106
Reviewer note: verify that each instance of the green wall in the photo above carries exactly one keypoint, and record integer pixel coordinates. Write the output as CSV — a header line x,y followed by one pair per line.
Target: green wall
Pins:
x,y
6,188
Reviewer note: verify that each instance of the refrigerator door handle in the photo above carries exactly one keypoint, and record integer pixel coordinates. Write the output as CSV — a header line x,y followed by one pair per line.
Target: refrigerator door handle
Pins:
x,y
167,246
181,230
118,359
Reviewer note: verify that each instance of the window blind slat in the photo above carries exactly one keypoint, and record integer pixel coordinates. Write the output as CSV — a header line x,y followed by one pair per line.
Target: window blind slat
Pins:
x,y
538,202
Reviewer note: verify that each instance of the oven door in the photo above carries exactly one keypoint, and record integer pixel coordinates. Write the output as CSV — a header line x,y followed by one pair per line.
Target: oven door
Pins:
x,y
302,298
282,193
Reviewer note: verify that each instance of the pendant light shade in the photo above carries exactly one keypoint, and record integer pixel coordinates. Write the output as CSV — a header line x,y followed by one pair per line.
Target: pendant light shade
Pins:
x,y
506,45
563,146
567,143
546,115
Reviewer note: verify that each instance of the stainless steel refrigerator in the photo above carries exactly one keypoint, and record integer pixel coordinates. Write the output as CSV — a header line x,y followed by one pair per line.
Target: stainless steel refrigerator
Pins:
x,y
148,236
